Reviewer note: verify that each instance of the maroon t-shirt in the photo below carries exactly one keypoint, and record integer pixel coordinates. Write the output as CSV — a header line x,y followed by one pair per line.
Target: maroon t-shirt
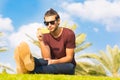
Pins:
x,y
58,45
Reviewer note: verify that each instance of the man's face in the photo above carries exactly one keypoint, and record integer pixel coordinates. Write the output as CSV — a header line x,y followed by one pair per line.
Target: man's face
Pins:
x,y
51,23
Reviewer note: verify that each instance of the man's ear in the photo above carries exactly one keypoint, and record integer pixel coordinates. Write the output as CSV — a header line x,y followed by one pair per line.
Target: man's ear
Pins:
x,y
58,21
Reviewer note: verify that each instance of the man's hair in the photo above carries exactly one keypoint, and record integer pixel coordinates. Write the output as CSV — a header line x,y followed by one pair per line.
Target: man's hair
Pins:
x,y
52,12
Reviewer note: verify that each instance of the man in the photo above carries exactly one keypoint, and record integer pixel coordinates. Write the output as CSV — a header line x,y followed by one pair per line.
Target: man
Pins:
x,y
57,49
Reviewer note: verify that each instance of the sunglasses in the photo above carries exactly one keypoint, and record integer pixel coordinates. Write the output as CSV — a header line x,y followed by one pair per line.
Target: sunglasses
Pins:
x,y
51,22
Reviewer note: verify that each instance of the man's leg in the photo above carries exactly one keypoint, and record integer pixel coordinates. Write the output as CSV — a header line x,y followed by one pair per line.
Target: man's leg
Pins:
x,y
26,57
19,64
42,67
23,58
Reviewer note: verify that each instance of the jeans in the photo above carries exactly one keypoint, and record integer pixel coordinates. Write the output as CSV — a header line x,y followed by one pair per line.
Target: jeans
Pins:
x,y
41,66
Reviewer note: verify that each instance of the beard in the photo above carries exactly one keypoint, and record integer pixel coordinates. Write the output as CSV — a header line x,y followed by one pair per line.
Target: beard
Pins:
x,y
55,29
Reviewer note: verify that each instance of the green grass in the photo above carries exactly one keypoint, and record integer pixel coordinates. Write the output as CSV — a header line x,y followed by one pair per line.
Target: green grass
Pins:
x,y
51,77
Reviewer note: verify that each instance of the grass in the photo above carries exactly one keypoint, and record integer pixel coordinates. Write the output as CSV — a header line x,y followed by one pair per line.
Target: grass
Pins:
x,y
51,77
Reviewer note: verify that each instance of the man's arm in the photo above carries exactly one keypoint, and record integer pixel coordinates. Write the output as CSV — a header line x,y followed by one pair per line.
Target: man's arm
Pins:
x,y
68,58
45,50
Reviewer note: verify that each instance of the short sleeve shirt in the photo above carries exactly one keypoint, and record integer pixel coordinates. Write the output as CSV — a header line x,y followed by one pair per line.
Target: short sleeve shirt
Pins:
x,y
58,45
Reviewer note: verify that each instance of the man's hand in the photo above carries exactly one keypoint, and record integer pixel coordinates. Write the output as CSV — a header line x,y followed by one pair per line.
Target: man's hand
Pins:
x,y
52,61
39,34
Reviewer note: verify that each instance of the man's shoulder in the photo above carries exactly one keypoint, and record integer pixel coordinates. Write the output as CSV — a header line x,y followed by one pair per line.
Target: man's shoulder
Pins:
x,y
67,30
47,35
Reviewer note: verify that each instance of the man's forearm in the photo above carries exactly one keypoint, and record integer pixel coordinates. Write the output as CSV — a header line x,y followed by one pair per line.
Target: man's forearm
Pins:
x,y
45,51
61,60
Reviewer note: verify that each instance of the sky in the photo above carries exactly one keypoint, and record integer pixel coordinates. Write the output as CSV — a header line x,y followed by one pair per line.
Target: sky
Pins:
x,y
98,19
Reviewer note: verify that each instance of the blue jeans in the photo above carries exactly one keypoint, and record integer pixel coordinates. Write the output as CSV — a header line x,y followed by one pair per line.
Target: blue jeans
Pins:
x,y
41,66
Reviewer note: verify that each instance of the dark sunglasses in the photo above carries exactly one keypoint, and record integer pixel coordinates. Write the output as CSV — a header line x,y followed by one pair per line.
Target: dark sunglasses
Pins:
x,y
51,22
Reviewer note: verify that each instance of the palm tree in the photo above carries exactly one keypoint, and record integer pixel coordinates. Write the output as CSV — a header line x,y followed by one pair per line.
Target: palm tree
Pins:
x,y
109,60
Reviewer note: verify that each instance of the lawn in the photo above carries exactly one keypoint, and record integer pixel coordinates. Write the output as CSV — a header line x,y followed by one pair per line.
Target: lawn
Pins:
x,y
51,77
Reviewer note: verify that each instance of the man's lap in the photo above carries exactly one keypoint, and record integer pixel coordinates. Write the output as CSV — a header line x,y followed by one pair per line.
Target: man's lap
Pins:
x,y
41,66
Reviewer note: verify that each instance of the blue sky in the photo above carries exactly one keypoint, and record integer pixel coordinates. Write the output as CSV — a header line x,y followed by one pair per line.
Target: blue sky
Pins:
x,y
99,19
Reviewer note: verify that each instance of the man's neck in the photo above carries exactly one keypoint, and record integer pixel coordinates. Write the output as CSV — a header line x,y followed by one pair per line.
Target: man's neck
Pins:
x,y
57,33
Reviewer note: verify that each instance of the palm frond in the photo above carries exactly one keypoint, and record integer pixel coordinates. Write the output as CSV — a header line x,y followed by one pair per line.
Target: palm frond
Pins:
x,y
1,33
105,60
3,49
6,67
115,53
80,38
80,48
85,68
36,42
73,27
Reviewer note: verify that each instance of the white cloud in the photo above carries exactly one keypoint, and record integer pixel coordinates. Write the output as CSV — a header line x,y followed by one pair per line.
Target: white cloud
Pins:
x,y
97,11
30,29
65,17
112,24
95,29
17,37
6,24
